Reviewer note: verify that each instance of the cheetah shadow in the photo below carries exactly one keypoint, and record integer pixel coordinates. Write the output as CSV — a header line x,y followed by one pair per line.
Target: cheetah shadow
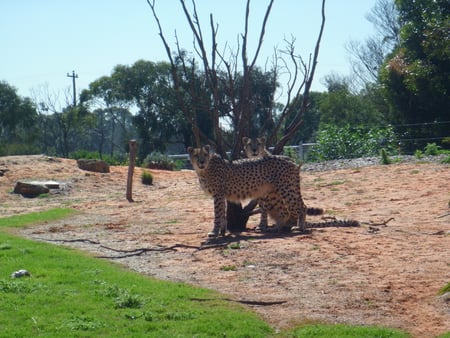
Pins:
x,y
250,234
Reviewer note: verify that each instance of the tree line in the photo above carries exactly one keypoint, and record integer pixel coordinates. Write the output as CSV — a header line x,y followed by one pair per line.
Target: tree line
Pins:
x,y
400,78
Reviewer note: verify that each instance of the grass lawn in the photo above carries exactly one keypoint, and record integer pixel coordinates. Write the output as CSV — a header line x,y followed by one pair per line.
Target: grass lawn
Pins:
x,y
71,294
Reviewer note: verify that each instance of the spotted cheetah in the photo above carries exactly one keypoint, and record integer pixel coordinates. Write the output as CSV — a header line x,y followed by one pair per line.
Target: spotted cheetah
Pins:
x,y
271,204
247,179
255,147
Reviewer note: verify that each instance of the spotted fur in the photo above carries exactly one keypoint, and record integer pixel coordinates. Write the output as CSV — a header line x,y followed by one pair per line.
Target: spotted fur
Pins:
x,y
272,203
248,179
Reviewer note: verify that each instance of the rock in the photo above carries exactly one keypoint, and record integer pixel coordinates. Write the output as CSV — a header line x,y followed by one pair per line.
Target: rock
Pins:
x,y
97,166
445,297
29,189
48,184
20,273
3,171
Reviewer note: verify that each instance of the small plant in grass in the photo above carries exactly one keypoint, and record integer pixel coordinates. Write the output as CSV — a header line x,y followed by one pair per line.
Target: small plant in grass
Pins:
x,y
228,268
235,246
128,300
147,178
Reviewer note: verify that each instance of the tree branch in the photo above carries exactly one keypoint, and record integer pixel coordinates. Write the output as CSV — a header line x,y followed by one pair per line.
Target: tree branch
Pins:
x,y
309,76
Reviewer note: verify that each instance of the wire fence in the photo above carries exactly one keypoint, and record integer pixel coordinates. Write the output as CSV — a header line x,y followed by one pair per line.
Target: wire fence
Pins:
x,y
430,132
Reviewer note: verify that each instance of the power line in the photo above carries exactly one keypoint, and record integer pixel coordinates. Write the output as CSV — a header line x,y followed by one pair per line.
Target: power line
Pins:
x,y
74,76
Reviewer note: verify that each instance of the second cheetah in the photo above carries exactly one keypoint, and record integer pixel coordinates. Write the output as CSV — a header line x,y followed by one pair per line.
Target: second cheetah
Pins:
x,y
271,204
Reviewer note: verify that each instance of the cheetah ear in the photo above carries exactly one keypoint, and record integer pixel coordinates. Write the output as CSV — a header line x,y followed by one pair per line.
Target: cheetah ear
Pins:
x,y
190,150
261,139
244,140
206,148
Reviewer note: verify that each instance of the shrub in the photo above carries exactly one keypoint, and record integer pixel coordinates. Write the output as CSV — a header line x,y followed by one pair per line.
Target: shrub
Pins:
x,y
8,149
156,160
418,154
334,142
384,157
147,178
432,149
95,155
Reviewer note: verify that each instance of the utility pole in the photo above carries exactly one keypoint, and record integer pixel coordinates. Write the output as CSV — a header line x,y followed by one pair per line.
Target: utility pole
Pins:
x,y
74,76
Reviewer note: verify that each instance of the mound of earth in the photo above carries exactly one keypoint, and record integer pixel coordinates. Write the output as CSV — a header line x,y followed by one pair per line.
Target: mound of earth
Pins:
x,y
386,272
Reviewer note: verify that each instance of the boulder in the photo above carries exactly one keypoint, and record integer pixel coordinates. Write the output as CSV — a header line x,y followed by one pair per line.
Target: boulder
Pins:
x,y
30,189
97,166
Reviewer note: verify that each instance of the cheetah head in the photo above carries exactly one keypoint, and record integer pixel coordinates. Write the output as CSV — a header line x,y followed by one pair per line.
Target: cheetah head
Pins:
x,y
254,147
199,157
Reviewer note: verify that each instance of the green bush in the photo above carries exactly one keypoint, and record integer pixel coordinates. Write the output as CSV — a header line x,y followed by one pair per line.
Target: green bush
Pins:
x,y
94,155
9,149
418,154
156,160
432,149
385,157
147,178
334,142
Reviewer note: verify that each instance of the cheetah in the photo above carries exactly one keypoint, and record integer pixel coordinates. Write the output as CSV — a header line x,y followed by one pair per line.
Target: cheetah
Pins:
x,y
247,179
255,147
271,204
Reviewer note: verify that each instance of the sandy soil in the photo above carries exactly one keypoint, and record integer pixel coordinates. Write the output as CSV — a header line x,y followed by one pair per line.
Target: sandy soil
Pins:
x,y
385,275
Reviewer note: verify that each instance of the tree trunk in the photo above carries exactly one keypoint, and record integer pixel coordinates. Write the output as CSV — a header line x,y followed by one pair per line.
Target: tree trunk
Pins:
x,y
237,217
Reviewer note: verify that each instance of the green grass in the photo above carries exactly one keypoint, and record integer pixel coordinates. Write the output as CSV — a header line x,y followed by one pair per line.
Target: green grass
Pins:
x,y
346,331
35,217
71,294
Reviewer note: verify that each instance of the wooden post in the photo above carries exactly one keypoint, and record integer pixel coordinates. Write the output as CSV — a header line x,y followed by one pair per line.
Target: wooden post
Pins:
x,y
133,147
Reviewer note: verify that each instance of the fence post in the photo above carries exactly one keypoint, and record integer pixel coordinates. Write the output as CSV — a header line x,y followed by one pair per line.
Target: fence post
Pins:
x,y
133,147
300,151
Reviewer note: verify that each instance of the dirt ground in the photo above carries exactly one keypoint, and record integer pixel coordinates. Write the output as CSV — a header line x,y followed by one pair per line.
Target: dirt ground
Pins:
x,y
386,275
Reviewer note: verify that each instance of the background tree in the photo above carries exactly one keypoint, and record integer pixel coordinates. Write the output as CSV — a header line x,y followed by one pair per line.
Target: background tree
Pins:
x,y
367,57
18,119
416,77
63,126
231,81
145,88
341,107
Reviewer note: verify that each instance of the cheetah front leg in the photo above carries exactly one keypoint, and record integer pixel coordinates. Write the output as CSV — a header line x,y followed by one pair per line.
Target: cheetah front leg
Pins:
x,y
220,220
263,223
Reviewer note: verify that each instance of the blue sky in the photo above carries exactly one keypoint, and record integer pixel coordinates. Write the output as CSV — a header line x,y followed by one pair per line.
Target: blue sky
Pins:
x,y
44,40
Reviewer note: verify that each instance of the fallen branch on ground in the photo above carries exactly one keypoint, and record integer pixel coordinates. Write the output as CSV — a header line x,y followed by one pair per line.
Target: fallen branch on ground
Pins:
x,y
385,223
140,251
80,240
243,301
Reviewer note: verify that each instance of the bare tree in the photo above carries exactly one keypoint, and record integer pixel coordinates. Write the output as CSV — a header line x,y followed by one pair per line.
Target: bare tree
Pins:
x,y
366,57
228,76
60,124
